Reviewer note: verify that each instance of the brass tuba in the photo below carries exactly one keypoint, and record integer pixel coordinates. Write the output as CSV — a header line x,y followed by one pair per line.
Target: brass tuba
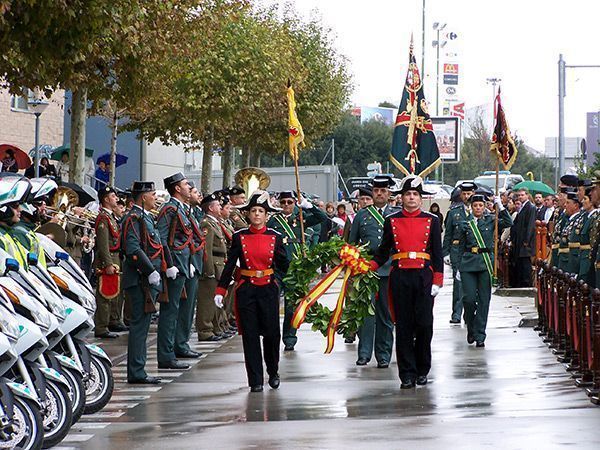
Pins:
x,y
252,179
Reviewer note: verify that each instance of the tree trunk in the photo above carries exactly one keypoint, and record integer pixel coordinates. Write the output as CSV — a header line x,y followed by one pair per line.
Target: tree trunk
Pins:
x,y
246,153
113,146
207,154
228,163
257,157
77,154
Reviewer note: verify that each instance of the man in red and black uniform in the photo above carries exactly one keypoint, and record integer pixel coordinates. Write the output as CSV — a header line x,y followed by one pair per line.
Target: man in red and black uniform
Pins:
x,y
260,251
413,238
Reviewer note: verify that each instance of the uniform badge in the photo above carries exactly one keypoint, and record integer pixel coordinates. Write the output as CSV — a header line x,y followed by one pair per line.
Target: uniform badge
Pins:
x,y
205,231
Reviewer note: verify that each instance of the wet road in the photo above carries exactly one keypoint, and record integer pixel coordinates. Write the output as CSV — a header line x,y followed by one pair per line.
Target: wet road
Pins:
x,y
512,394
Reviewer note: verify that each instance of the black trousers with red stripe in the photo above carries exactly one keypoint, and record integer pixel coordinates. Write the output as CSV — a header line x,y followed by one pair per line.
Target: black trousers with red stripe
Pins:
x,y
410,291
257,314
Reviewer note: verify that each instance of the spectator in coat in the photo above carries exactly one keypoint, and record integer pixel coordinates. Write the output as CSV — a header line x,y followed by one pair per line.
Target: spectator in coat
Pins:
x,y
522,236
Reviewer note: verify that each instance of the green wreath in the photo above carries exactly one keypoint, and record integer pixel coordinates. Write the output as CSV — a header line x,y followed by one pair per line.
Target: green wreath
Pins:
x,y
361,288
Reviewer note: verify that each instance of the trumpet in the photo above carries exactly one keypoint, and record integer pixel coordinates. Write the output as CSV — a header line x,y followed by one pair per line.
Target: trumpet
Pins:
x,y
85,220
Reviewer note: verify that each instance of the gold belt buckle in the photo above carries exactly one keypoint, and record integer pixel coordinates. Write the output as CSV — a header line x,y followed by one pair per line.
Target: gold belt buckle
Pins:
x,y
412,255
260,273
474,249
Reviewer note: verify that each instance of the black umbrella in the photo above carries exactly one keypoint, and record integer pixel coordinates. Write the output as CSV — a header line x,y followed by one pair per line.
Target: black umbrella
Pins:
x,y
84,196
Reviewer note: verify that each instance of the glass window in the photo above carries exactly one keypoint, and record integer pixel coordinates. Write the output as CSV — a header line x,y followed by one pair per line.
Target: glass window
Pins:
x,y
19,102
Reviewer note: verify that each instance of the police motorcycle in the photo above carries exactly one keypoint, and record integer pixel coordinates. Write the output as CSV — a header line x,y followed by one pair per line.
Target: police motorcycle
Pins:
x,y
39,329
20,418
49,266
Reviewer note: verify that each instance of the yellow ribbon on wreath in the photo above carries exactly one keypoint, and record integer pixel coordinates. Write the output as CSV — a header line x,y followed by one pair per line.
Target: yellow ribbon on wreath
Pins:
x,y
351,263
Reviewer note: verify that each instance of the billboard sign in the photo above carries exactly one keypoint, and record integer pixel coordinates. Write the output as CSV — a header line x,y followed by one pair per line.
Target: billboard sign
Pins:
x,y
385,115
447,135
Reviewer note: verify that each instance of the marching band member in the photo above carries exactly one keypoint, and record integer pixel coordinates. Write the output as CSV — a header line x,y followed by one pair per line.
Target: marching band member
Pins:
x,y
412,237
237,196
259,251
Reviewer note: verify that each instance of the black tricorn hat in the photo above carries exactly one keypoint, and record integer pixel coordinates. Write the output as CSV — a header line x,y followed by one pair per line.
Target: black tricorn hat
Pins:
x,y
413,183
383,181
569,180
259,198
139,187
287,194
477,198
363,191
467,186
174,179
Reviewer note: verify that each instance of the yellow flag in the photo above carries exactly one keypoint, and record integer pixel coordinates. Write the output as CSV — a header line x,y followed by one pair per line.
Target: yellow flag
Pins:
x,y
296,135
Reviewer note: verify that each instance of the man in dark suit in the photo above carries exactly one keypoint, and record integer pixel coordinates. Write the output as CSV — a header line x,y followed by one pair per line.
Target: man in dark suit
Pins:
x,y
540,207
522,236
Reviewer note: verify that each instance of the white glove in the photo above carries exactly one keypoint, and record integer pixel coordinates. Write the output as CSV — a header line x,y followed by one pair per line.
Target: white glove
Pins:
x,y
219,301
435,290
192,270
447,260
172,272
457,276
498,203
305,204
154,278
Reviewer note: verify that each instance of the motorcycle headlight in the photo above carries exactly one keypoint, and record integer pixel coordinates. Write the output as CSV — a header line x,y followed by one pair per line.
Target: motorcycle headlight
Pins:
x,y
9,327
42,318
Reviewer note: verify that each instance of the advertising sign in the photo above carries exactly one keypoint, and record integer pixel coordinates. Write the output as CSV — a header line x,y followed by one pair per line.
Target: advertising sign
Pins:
x,y
447,135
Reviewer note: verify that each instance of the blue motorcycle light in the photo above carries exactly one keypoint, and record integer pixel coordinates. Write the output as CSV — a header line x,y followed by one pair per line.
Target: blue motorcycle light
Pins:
x,y
32,259
12,264
62,256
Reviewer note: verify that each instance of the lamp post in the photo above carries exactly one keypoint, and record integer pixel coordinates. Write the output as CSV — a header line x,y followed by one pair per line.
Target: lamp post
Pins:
x,y
37,104
437,44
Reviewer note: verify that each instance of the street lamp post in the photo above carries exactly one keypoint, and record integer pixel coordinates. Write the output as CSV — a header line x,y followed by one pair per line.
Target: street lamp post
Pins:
x,y
37,105
437,44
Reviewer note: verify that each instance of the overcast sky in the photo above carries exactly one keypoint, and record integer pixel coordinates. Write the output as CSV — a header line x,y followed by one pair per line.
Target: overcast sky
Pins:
x,y
516,40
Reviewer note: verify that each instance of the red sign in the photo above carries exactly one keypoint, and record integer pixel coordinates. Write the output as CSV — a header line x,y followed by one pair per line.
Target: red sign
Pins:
x,y
458,110
451,69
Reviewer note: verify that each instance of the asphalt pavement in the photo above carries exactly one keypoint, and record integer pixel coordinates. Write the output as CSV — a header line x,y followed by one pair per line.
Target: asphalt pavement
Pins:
x,y
510,395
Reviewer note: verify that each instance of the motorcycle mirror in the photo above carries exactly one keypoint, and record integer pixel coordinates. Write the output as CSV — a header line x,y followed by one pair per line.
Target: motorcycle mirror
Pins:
x,y
32,259
11,265
62,256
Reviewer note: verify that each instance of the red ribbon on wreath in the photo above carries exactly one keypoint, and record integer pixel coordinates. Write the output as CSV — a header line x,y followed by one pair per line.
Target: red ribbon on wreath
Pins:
x,y
351,263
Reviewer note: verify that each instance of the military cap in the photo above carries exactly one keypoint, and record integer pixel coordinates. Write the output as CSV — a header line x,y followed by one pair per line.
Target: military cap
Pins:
x,y
382,181
363,191
477,198
286,194
413,183
569,180
467,186
585,183
140,187
173,179
105,192
567,190
236,190
259,198
573,196
209,198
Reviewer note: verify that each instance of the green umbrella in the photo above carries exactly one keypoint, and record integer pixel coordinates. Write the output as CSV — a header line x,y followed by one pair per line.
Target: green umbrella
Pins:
x,y
58,151
535,187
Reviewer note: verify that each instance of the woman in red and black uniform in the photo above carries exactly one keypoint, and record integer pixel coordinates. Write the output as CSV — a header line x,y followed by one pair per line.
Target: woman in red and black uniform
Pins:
x,y
259,251
413,239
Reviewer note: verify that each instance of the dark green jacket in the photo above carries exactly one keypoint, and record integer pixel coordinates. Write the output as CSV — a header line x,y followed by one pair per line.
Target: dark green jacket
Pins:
x,y
174,215
453,226
196,216
474,262
137,263
312,216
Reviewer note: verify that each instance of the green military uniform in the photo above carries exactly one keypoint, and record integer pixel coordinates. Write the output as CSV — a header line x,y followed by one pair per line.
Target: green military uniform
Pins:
x,y
187,308
594,275
453,226
575,242
226,315
559,219
563,246
585,249
143,254
289,228
367,229
215,251
109,311
238,219
476,269
176,236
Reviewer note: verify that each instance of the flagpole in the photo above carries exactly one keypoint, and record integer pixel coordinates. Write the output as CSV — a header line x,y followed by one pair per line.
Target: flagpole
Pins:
x,y
496,209
295,156
299,196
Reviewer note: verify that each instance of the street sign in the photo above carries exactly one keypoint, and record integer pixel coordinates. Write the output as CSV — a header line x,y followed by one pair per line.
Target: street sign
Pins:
x,y
374,168
458,110
451,90
451,69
